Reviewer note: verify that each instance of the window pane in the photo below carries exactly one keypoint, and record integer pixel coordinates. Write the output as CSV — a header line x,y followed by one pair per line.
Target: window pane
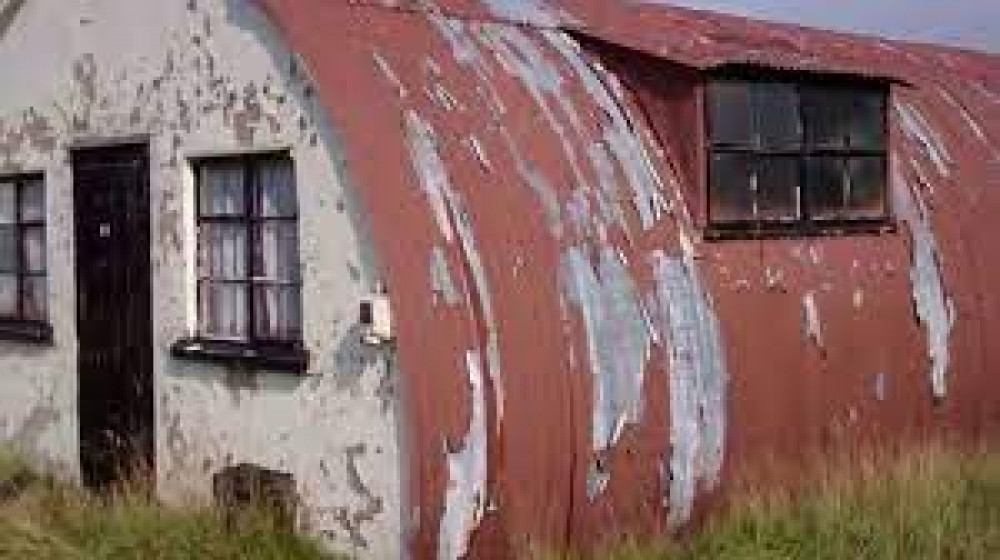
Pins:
x,y
731,197
223,249
731,113
8,295
868,120
222,189
826,187
277,312
34,249
276,187
777,188
33,201
866,198
35,298
277,255
777,108
827,117
8,248
223,310
8,203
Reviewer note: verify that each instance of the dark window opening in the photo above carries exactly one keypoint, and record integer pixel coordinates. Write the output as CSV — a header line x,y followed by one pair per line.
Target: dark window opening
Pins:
x,y
249,280
796,157
23,266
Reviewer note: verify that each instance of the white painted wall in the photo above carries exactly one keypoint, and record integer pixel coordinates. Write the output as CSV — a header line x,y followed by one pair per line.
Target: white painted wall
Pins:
x,y
201,77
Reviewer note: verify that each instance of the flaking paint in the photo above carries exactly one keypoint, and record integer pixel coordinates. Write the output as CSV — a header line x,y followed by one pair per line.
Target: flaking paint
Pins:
x,y
618,339
934,308
466,495
698,381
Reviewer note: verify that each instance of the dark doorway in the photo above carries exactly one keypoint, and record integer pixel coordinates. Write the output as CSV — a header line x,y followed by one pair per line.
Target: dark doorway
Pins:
x,y
111,209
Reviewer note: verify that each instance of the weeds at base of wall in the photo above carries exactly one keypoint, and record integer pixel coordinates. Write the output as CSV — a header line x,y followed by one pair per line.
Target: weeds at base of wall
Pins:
x,y
934,503
43,519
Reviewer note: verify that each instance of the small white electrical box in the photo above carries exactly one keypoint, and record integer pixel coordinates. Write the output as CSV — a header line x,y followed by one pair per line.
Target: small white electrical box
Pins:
x,y
375,317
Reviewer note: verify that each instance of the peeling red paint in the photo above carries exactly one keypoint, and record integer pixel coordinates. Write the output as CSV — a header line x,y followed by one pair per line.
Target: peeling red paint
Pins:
x,y
788,394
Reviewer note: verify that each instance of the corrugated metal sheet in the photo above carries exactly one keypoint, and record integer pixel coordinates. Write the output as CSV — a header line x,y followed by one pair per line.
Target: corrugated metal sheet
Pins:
x,y
579,363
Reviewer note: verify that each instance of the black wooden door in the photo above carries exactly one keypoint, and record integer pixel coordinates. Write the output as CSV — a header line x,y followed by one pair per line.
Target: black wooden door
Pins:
x,y
111,209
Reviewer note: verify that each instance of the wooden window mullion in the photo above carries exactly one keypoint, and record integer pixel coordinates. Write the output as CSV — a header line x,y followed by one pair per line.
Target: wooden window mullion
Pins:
x,y
19,240
250,210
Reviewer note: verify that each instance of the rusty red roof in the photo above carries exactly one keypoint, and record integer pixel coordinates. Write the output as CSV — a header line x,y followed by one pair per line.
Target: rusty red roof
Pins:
x,y
577,361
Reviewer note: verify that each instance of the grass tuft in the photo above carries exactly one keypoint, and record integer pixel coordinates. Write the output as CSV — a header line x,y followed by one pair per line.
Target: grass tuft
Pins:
x,y
43,519
931,504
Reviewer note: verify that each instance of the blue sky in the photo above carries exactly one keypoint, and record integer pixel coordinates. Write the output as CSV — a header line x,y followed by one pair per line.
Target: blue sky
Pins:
x,y
967,23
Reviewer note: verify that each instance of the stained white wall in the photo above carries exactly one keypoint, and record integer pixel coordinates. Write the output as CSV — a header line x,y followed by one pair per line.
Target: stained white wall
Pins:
x,y
201,77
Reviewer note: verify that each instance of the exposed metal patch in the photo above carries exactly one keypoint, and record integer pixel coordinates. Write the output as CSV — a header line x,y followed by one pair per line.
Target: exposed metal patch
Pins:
x,y
390,75
455,223
442,283
618,339
524,59
535,12
687,323
467,52
598,478
917,127
811,321
431,171
970,121
934,308
880,388
620,130
465,500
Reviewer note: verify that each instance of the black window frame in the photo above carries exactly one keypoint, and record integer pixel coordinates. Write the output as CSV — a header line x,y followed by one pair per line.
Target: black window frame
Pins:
x,y
803,225
18,326
254,350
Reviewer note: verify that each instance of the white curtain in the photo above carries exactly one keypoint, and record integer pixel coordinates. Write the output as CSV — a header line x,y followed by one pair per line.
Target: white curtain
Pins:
x,y
276,185
222,189
8,295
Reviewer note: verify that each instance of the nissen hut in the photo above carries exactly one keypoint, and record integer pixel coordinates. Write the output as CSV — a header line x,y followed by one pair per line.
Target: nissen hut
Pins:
x,y
458,278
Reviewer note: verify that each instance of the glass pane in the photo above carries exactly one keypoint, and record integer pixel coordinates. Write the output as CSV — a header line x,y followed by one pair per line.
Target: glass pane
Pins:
x,y
778,116
34,249
868,120
8,248
222,189
866,198
8,295
277,255
731,113
826,187
33,201
223,310
827,117
8,203
277,312
731,197
276,187
223,249
778,188
35,298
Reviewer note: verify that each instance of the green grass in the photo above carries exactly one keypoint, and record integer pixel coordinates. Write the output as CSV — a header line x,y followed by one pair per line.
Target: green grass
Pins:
x,y
41,520
933,504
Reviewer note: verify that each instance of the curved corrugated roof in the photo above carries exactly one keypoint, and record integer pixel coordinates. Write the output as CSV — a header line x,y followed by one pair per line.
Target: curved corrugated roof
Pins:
x,y
578,362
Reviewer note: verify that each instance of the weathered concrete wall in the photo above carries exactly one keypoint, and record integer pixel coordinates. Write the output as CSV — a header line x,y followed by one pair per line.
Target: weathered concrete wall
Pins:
x,y
201,77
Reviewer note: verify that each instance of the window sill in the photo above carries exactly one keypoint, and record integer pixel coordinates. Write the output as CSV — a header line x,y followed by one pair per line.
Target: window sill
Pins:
x,y
841,228
18,330
290,358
